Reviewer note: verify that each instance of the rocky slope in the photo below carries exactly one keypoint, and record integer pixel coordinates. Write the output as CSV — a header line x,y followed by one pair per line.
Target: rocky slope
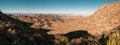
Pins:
x,y
104,19
28,30
16,32
40,20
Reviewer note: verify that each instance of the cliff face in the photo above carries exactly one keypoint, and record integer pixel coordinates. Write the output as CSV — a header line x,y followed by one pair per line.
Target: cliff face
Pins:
x,y
105,18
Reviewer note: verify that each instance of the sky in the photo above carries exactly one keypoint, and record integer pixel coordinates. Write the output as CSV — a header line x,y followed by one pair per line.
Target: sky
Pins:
x,y
52,6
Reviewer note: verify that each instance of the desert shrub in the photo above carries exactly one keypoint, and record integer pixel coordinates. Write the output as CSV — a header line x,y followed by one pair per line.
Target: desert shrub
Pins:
x,y
64,41
2,28
89,41
93,43
112,38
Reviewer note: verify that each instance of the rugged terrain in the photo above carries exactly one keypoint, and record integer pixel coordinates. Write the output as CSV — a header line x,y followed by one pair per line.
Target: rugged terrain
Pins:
x,y
41,29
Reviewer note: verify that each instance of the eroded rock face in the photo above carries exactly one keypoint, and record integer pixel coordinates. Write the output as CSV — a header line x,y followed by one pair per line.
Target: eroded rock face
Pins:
x,y
105,18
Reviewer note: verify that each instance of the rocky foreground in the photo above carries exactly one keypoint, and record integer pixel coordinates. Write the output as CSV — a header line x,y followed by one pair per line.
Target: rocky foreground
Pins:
x,y
101,28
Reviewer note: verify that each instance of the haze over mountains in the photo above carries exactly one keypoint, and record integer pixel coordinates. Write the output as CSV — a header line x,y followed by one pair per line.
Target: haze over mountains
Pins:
x,y
42,29
33,14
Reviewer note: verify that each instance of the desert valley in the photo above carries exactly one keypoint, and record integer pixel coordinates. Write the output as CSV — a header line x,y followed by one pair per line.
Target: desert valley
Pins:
x,y
101,28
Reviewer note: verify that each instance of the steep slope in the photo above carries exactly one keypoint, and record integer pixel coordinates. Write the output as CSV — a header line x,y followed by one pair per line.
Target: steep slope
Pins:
x,y
16,32
105,18
20,33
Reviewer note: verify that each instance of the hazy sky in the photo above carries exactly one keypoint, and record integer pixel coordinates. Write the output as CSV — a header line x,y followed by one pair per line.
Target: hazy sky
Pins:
x,y
52,6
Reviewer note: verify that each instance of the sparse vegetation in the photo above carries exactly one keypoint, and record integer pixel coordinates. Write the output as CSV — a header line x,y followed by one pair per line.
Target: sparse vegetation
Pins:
x,y
2,28
64,41
112,38
28,30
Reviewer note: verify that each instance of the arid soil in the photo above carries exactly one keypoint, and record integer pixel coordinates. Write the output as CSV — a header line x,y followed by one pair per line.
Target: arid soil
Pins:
x,y
71,23
44,29
104,19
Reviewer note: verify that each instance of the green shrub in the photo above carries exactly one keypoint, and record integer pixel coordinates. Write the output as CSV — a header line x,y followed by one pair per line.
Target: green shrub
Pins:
x,y
114,38
64,41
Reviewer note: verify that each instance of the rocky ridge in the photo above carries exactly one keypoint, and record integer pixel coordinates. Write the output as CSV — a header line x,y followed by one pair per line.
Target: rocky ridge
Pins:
x,y
104,19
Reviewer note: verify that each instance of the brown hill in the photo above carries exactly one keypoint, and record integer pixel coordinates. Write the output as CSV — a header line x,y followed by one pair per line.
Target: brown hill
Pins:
x,y
26,30
105,18
19,32
71,23
16,32
40,20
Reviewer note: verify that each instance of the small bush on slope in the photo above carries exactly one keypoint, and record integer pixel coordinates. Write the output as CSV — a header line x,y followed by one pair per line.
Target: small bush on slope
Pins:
x,y
112,38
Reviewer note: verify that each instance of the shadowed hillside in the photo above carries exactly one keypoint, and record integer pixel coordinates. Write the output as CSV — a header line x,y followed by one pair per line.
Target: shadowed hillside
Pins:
x,y
16,32
101,28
